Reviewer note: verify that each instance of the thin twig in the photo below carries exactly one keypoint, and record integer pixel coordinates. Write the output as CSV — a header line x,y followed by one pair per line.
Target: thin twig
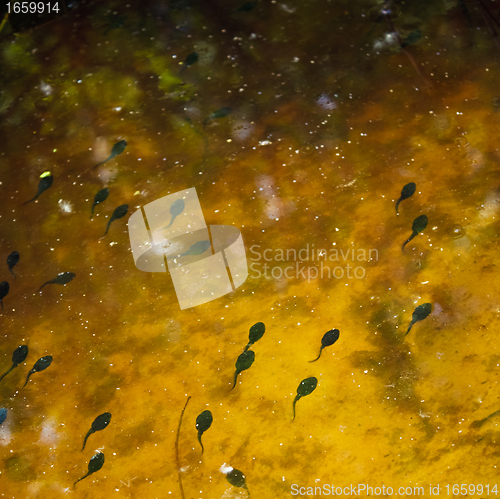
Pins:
x,y
177,460
4,21
403,49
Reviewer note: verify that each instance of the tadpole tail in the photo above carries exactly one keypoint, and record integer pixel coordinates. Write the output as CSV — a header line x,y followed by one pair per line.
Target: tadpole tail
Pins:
x,y
99,164
3,375
235,376
319,355
478,424
1,303
44,284
87,436
199,440
249,344
31,199
80,479
246,488
15,276
294,402
107,228
397,204
28,377
410,326
408,240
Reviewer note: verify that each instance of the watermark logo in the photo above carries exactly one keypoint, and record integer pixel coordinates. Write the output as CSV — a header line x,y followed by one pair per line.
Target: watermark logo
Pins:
x,y
205,262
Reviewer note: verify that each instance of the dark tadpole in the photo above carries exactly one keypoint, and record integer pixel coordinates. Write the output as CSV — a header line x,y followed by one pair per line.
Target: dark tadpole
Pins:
x,y
419,224
4,291
117,22
220,113
413,37
175,210
120,212
478,424
306,387
99,198
62,278
245,360
191,59
246,7
419,314
95,464
237,479
12,261
203,423
255,334
406,192
19,356
3,415
197,248
40,365
329,338
100,422
118,148
46,180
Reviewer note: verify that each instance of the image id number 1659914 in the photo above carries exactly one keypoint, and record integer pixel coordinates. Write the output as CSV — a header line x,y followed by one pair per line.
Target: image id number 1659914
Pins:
x,y
464,490
33,7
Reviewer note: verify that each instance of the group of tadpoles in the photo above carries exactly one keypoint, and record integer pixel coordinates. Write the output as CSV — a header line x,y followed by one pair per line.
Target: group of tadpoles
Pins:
x,y
388,11
18,357
419,224
47,179
245,360
307,386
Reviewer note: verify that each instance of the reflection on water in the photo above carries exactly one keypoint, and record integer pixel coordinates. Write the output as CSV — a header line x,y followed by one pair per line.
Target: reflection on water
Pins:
x,y
299,124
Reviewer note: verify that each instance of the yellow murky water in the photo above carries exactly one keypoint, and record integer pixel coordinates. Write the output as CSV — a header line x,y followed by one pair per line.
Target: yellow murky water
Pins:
x,y
328,122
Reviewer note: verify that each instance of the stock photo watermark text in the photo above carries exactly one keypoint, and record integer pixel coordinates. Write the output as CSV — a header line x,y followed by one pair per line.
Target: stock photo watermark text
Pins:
x,y
310,263
363,489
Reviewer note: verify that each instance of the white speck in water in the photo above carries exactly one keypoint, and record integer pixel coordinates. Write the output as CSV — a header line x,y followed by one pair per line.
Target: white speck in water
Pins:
x,y
45,88
225,468
65,206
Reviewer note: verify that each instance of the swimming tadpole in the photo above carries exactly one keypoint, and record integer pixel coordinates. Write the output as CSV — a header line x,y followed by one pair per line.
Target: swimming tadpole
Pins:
x,y
220,113
255,334
329,338
306,387
46,180
406,192
95,464
99,198
246,7
419,224
118,148
191,59
18,357
120,212
40,365
175,210
203,423
62,278
237,479
419,314
197,248
12,261
100,422
4,291
244,362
